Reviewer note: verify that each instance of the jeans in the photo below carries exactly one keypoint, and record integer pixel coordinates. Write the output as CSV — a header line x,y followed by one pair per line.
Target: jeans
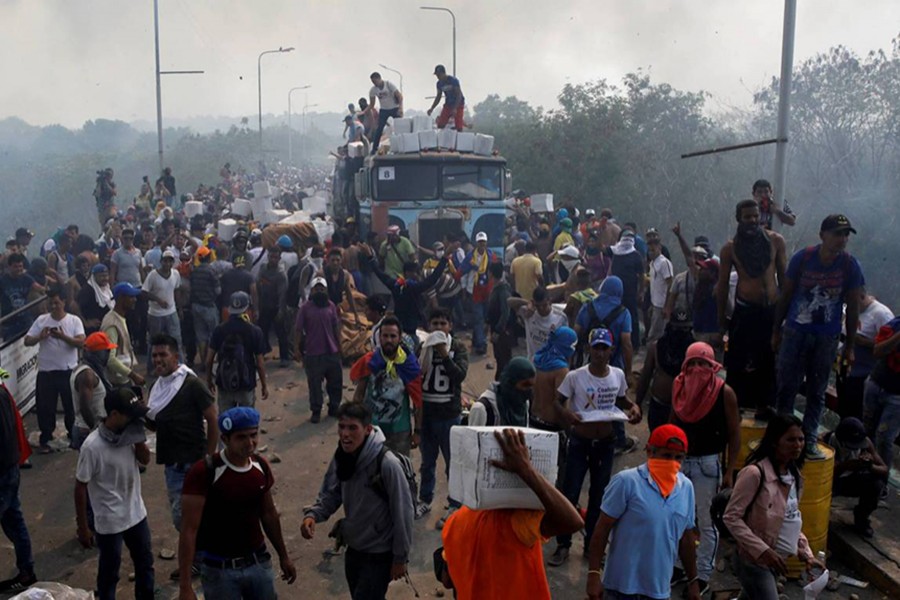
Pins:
x,y
13,522
479,341
137,540
881,415
863,485
268,320
435,438
205,320
757,583
324,368
587,456
256,582
175,475
383,116
228,400
809,355
704,472
52,385
368,575
167,324
749,360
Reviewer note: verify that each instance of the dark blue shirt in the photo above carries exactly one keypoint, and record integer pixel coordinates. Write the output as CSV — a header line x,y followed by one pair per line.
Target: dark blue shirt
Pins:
x,y
452,91
820,291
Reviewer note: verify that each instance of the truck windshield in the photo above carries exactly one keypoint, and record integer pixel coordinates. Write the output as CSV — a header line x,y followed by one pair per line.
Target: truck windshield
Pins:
x,y
406,182
471,182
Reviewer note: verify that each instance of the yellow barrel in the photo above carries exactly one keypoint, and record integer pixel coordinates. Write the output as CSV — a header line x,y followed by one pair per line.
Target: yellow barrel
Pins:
x,y
751,431
815,505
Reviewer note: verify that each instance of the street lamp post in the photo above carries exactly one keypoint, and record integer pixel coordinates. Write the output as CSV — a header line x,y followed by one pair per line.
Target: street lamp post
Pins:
x,y
259,83
387,68
303,137
290,129
452,16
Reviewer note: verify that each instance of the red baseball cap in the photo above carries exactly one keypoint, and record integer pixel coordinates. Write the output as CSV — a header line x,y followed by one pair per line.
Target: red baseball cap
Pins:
x,y
98,341
670,437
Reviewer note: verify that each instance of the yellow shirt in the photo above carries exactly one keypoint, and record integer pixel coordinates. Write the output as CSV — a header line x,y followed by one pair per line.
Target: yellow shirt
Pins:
x,y
526,269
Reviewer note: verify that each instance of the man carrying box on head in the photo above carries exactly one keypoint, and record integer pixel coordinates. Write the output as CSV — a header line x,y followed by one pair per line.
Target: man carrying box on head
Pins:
x,y
497,553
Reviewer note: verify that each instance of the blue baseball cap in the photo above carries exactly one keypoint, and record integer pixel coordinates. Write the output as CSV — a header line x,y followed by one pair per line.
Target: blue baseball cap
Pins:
x,y
237,418
285,242
125,289
601,335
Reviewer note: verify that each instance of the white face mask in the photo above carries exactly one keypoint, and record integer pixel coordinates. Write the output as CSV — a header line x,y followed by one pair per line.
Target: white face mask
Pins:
x,y
316,262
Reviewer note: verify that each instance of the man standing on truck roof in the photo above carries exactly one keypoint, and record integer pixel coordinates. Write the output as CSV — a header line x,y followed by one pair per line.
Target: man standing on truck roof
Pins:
x,y
390,104
454,103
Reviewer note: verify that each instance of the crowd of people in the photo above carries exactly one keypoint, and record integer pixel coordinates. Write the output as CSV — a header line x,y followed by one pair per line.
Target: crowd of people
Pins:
x,y
159,324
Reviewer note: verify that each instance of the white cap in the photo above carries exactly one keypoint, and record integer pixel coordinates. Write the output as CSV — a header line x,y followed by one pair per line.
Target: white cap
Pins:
x,y
590,212
169,254
481,236
318,281
570,252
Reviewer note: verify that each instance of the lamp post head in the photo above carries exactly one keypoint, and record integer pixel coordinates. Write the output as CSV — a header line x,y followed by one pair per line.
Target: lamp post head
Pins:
x,y
280,49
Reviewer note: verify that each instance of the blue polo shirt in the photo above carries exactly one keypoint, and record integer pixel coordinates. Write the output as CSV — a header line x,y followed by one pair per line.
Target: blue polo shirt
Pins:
x,y
647,531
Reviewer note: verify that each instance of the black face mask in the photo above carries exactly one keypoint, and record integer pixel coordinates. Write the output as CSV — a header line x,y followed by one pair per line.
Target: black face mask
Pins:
x,y
593,251
346,462
320,299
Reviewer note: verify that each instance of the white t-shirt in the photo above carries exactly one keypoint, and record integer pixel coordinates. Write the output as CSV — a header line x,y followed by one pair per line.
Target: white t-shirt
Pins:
x,y
114,484
55,354
789,534
660,270
874,318
385,95
538,328
594,398
164,288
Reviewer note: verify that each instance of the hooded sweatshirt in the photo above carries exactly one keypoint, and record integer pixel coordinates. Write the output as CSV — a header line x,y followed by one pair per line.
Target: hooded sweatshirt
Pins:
x,y
371,523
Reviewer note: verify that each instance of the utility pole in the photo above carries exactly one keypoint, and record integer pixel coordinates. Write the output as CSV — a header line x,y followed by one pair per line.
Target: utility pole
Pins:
x,y
452,16
259,85
784,102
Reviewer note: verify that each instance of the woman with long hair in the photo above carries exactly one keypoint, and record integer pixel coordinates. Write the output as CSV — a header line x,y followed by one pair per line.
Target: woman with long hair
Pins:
x,y
763,514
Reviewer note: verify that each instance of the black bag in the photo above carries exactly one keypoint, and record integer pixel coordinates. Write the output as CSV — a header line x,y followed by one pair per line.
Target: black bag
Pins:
x,y
234,372
440,567
720,502
377,483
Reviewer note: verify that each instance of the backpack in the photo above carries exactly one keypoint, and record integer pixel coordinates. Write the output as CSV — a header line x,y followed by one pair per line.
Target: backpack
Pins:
x,y
720,502
376,481
492,417
594,322
234,373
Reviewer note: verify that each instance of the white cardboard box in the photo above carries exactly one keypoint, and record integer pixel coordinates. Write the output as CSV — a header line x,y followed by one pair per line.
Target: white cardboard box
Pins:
x,y
422,123
315,204
480,485
542,203
227,229
262,189
410,142
484,144
428,139
192,208
447,138
275,215
356,150
465,141
241,207
260,206
396,142
402,125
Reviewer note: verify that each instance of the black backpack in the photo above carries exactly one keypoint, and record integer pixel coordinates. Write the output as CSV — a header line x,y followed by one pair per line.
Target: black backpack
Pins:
x,y
376,482
720,502
234,372
594,322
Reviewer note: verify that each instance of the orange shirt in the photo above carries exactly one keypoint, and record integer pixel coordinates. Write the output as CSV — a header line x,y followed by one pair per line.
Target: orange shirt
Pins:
x,y
496,554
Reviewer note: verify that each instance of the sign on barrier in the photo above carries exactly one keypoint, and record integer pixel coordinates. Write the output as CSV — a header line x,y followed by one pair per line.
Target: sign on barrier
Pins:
x,y
21,363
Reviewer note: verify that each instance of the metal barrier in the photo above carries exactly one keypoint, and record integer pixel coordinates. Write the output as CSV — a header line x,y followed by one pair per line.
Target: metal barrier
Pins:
x,y
20,361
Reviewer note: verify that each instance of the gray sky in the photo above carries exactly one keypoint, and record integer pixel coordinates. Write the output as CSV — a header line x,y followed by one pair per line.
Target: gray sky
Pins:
x,y
67,61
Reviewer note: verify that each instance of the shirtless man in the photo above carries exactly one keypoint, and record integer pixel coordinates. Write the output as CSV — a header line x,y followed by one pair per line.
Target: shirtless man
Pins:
x,y
758,255
662,365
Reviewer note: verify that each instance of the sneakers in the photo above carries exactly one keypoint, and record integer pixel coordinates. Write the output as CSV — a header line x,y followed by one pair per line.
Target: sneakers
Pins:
x,y
422,509
862,526
629,446
19,583
559,557
440,524
316,417
812,451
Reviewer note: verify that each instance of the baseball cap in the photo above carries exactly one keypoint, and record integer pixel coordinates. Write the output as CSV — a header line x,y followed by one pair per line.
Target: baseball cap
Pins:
x,y
681,319
438,245
169,254
701,240
852,434
481,236
393,229
439,69
125,401
98,341
285,242
125,289
590,212
318,281
350,220
601,335
241,233
203,251
239,303
99,268
670,437
237,418
836,223
570,252
22,232
700,250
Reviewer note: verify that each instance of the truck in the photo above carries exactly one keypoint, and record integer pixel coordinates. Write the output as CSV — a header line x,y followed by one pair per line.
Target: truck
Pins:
x,y
433,195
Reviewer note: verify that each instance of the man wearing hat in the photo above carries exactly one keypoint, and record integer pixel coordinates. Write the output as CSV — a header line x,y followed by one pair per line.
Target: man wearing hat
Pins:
x,y
95,299
127,266
650,512
205,290
395,250
820,280
240,347
227,505
593,397
108,472
449,89
23,238
239,279
159,287
318,347
479,286
122,359
661,366
859,471
90,386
